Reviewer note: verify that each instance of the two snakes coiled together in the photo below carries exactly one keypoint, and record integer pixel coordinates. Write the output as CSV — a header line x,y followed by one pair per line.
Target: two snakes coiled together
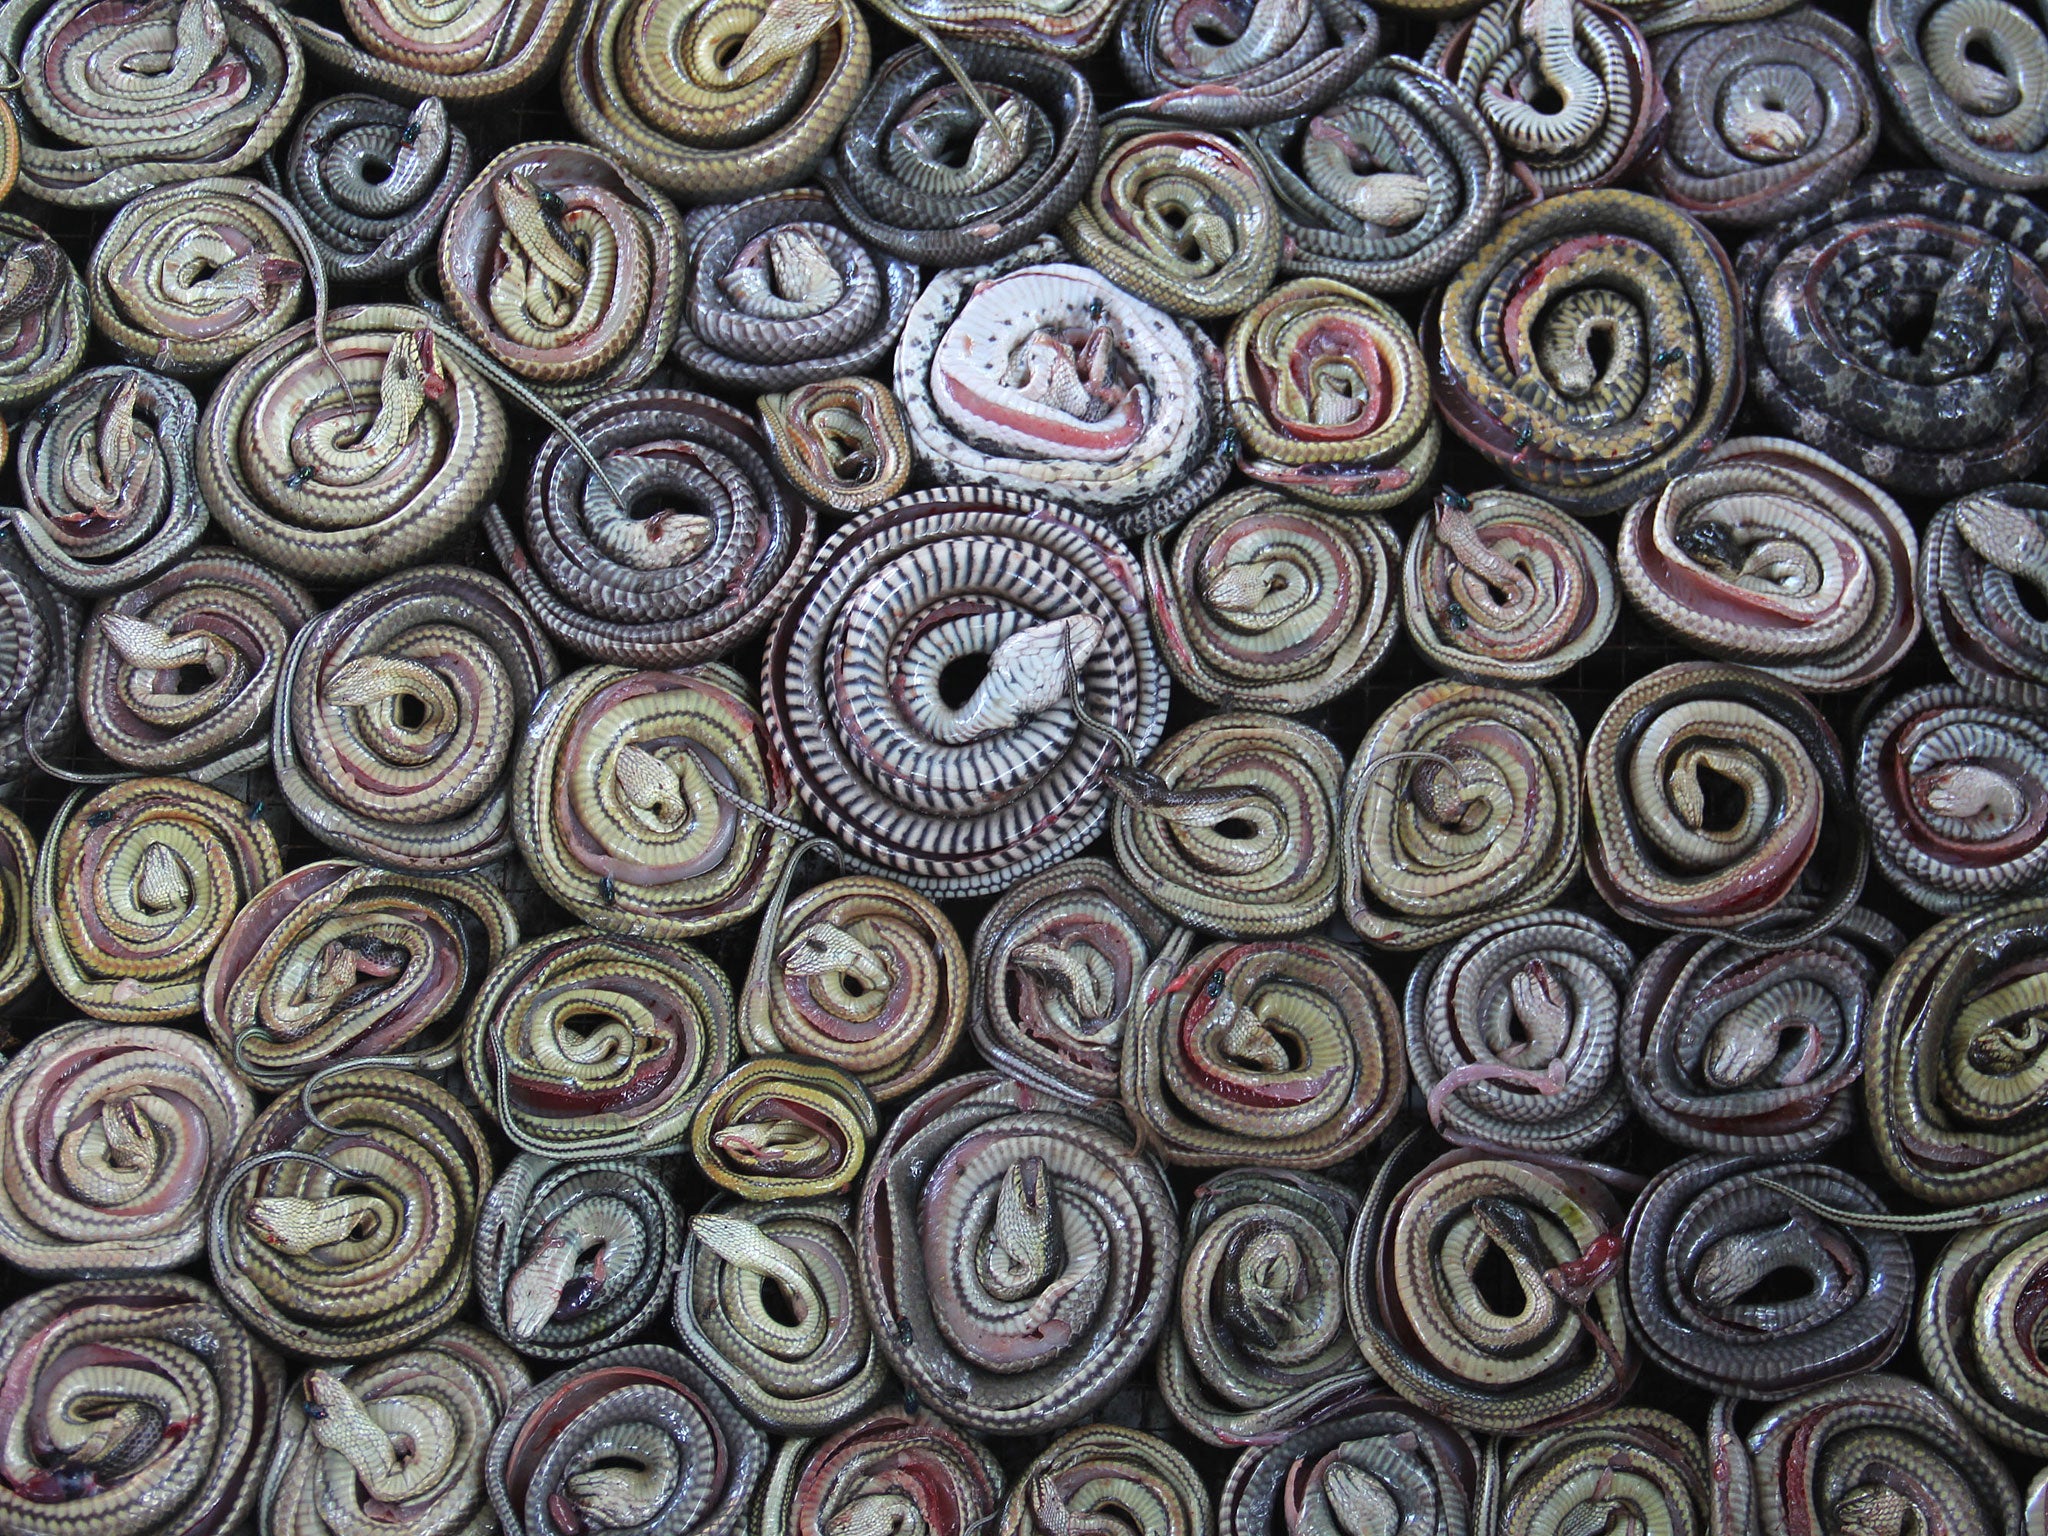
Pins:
x,y
784,1128
374,182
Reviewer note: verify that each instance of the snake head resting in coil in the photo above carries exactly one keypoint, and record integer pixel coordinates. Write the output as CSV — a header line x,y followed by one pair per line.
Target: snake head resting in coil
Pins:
x,y
534,234
1261,1292
162,882
297,1226
2005,537
1381,200
824,949
1027,674
28,276
1971,313
878,1514
550,1282
786,30
342,1425
1734,1265
992,152
151,647
1361,1503
105,482
1023,1249
1871,1509
784,274
776,1144
1971,792
1085,982
1077,378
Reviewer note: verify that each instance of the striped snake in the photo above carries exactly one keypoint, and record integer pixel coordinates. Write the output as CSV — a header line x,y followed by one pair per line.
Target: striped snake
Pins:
x,y
135,888
782,294
343,1229
399,711
10,149
1512,1034
712,99
1501,587
471,56
636,1439
1968,82
1390,188
1954,272
115,1136
780,1128
921,174
1725,1049
136,1407
1709,791
1062,29
106,480
179,675
703,552
586,1045
1228,63
1704,1236
1562,1350
38,667
573,1258
1037,376
1106,1478
1519,376
562,264
338,961
1976,1326
1017,1256
893,1471
1955,794
962,795
767,1302
1984,561
1627,1467
394,1444
1657,17
623,800
863,974
1461,806
1259,1342
1281,1053
42,312
1331,397
1378,1463
19,964
1767,119
337,481
1179,217
374,181
1773,555
840,442
116,99
1264,603
1058,962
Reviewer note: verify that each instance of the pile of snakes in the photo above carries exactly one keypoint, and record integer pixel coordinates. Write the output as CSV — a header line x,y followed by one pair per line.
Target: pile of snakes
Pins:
x,y
1023,768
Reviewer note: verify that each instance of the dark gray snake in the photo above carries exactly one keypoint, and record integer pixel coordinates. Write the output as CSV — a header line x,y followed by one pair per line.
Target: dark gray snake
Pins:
x,y
374,181
1984,562
1225,63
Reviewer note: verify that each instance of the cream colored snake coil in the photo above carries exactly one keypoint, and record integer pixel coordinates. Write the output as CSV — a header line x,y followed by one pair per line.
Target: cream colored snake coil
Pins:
x,y
1037,376
1104,1477
1627,1464
1773,555
1512,1034
338,961
106,480
1378,1459
1501,587
474,56
573,1258
116,99
399,713
1976,1323
1461,806
1710,789
337,485
38,667
226,618
863,974
702,554
1562,1349
1226,65
344,1228
394,1444
891,1471
1330,394
713,99
19,964
1064,29
135,888
42,313
115,1137
1058,963
1966,80
784,1128
587,1045
622,800
374,181
185,1407
1283,1053
1264,603
1017,1257
637,1439
1984,561
841,442
767,1301
1259,1342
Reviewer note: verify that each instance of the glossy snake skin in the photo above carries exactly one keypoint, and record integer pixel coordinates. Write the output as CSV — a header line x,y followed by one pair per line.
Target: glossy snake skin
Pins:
x,y
1981,120
374,182
1983,557
784,1128
472,55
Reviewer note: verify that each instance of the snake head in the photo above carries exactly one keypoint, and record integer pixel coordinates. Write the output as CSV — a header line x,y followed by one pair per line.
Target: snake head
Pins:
x,y
1712,543
787,28
1873,1510
1244,584
295,1225
1027,674
130,1135
776,1145
825,949
151,647
1971,312
1361,1502
2008,1045
1970,792
1731,1267
878,1514
201,36
426,131
28,276
2002,535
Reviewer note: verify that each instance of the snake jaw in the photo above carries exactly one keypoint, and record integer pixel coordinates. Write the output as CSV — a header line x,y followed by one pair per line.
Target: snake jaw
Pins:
x,y
162,883
825,949
1543,1007
151,647
534,1291
129,1134
1360,1502
1971,792
342,1425
1027,675
772,1145
1246,1037
1244,586
878,1514
651,785
787,29
1873,1510
2004,536
1022,1251
295,1225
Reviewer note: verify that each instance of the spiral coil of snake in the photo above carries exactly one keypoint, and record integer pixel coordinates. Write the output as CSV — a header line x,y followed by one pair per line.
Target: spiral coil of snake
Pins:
x,y
784,1128
42,313
1627,1463
1984,559
225,617
1501,587
1233,64
1770,554
1018,1256
1512,1034
115,1137
472,56
1112,1476
20,966
337,961
184,1410
115,100
1461,806
38,667
1259,1341
587,1045
135,888
344,479
633,1439
1975,1315
1982,120
893,1470
841,442
574,1258
106,480
374,182
1377,1460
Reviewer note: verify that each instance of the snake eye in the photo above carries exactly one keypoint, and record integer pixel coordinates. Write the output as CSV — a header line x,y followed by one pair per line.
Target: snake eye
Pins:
x,y
1214,989
551,204
411,134
99,818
